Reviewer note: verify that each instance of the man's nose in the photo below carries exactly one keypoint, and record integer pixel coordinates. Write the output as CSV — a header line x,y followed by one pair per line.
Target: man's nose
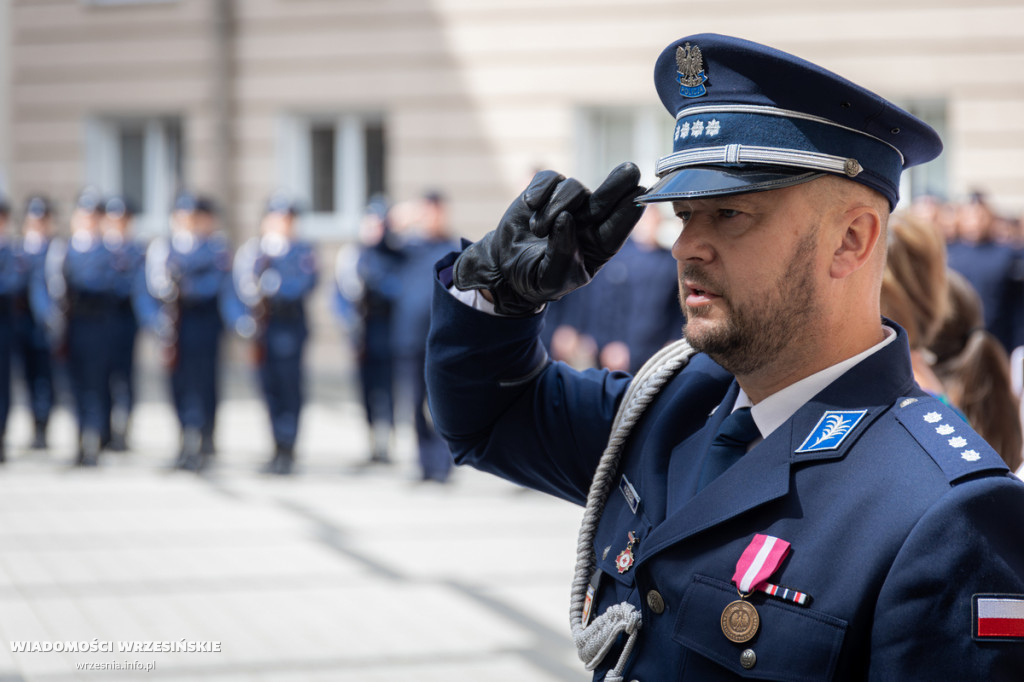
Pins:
x,y
693,243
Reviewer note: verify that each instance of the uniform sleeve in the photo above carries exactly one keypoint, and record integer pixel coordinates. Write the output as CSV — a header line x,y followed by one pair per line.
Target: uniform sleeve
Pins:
x,y
39,299
46,287
505,408
309,266
970,543
146,307
233,311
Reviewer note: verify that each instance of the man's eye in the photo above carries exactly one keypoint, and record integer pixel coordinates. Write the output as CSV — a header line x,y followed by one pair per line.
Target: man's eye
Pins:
x,y
727,213
684,216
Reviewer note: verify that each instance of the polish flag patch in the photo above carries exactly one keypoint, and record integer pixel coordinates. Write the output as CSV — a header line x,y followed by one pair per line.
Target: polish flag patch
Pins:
x,y
998,616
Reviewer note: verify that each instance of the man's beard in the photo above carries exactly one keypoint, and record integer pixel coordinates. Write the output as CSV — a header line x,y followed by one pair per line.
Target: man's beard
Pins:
x,y
751,337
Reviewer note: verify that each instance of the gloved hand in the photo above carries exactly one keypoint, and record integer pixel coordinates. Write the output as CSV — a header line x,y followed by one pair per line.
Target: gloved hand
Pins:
x,y
612,214
552,239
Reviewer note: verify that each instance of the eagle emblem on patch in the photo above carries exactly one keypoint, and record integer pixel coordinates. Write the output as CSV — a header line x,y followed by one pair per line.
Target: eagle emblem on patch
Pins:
x,y
831,430
690,65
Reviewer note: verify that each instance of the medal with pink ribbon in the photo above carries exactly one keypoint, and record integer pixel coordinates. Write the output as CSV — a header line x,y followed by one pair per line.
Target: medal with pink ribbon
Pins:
x,y
762,557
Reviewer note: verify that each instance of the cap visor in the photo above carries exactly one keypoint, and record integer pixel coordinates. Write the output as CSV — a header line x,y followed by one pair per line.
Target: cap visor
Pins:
x,y
707,181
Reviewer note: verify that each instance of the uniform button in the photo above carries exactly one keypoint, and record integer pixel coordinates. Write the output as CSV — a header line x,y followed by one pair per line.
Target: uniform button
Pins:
x,y
604,554
655,602
748,659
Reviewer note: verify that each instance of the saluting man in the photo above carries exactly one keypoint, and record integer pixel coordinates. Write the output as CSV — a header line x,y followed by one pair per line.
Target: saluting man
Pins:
x,y
777,499
273,275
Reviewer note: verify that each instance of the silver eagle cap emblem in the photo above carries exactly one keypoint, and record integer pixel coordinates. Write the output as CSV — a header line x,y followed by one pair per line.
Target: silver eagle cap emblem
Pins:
x,y
690,65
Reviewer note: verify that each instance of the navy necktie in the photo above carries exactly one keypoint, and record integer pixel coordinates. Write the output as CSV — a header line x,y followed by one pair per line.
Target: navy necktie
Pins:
x,y
729,445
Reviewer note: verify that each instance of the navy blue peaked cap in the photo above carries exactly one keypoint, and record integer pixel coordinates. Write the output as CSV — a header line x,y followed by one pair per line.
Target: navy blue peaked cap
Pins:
x,y
90,201
186,201
194,203
38,207
752,118
282,203
119,206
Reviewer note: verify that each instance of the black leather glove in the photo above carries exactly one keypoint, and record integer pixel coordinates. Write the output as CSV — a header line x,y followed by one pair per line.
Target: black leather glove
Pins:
x,y
611,215
552,239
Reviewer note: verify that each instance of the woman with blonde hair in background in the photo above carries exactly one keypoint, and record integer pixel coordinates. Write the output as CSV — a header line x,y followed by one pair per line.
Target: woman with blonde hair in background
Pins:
x,y
914,291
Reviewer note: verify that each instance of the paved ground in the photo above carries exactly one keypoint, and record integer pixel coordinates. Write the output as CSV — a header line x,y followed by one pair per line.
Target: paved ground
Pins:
x,y
335,574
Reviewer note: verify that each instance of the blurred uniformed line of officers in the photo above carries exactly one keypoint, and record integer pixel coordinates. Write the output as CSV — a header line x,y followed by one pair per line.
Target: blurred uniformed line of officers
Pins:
x,y
78,302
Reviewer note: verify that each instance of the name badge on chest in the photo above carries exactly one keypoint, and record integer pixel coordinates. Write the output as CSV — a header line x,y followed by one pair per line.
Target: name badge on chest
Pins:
x,y
629,492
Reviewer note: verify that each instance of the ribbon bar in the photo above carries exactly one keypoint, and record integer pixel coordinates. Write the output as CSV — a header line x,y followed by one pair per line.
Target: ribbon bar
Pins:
x,y
795,596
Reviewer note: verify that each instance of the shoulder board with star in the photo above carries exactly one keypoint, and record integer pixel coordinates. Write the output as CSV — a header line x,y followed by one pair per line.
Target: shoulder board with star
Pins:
x,y
947,438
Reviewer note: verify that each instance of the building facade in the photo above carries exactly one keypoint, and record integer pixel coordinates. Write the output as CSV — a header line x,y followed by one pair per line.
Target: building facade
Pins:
x,y
337,100
5,97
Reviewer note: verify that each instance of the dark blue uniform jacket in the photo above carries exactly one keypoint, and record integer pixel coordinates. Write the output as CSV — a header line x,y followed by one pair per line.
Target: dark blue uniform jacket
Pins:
x,y
893,532
991,270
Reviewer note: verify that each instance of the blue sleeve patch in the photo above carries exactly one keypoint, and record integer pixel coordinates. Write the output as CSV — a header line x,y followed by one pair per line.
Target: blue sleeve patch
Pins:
x,y
950,441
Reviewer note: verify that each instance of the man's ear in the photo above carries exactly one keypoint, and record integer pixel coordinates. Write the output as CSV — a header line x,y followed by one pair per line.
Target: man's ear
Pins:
x,y
862,226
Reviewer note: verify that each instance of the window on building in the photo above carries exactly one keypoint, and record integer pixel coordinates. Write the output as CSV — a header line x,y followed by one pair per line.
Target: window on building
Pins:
x,y
933,177
373,139
139,158
133,164
334,164
607,136
322,168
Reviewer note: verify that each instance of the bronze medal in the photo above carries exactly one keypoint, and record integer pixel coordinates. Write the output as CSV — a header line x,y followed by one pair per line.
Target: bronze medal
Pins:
x,y
740,621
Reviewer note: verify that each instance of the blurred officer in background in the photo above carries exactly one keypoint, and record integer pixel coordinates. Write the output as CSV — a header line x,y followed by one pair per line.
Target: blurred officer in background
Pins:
x,y
367,284
189,274
565,324
31,341
628,312
8,285
273,276
654,317
634,301
78,315
127,280
989,266
411,324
